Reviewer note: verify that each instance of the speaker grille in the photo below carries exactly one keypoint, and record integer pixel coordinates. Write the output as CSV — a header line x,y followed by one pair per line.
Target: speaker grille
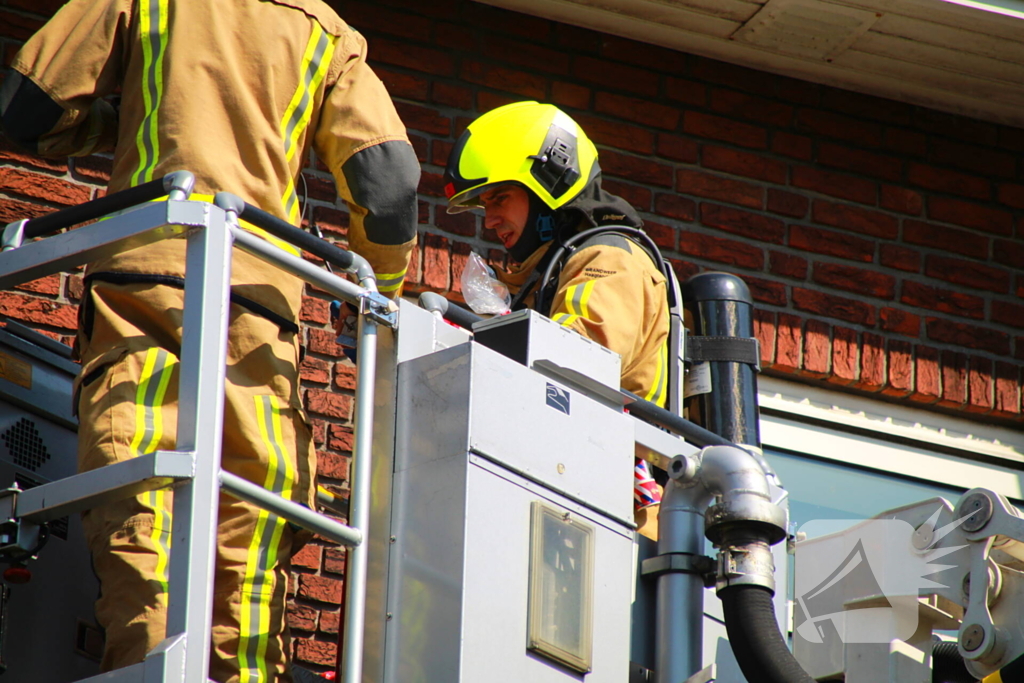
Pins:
x,y
25,445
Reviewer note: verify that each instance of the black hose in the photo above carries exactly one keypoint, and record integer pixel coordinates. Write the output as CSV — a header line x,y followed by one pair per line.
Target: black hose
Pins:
x,y
52,222
754,635
948,665
432,301
691,431
300,238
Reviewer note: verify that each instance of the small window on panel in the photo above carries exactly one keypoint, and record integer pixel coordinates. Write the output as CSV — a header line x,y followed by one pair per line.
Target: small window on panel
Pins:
x,y
561,587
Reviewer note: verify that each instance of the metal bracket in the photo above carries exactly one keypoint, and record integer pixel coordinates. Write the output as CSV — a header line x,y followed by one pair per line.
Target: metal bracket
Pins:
x,y
19,538
14,235
705,675
680,563
379,309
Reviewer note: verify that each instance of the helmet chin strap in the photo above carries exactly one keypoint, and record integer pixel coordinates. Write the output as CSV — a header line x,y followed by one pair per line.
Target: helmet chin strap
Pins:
x,y
542,225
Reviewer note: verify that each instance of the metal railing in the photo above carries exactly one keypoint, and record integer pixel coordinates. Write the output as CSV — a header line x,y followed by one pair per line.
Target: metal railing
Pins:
x,y
194,467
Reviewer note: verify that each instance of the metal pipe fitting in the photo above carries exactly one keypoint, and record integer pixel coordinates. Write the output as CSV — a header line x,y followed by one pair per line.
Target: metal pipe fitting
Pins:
x,y
179,185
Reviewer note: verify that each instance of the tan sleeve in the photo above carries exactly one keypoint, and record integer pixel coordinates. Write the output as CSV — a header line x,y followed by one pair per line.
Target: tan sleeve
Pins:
x,y
363,141
76,60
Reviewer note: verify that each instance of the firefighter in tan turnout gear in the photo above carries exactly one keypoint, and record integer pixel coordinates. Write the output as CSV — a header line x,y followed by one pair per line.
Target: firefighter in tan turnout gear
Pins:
x,y
534,173
236,92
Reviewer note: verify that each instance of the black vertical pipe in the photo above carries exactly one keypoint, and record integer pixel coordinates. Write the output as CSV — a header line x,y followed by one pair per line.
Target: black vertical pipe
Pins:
x,y
721,306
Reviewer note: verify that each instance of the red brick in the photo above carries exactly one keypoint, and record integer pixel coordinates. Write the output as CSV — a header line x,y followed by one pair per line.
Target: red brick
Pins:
x,y
663,235
404,85
436,262
787,203
840,127
860,161
460,257
857,280
319,429
1008,389
332,465
817,349
75,287
423,119
409,56
720,188
942,300
787,265
954,378
328,404
638,169
926,375
1008,314
345,376
764,330
439,151
18,26
727,130
969,336
789,343
900,362
954,126
612,75
529,55
906,142
979,385
340,438
901,258
949,239
743,163
639,197
900,322
308,557
867,106
970,215
315,370
456,223
43,187
688,92
637,110
674,206
334,561
872,363
831,306
835,184
677,148
331,221
507,80
743,106
766,291
45,285
751,225
330,622
616,134
314,311
319,588
721,250
570,95
967,273
798,91
901,199
301,617
845,356
741,78
376,17
832,243
502,20
855,219
945,180
322,341
972,158
1011,194
580,40
1011,138
316,652
40,311
8,152
684,269
487,100
790,145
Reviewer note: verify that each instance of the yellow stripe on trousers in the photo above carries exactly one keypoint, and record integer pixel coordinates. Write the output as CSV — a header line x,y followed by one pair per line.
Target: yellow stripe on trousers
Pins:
x,y
149,430
153,27
260,579
656,394
315,60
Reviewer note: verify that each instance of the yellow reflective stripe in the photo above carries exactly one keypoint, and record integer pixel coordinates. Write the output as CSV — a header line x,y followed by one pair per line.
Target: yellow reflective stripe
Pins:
x,y
260,580
315,61
585,297
566,319
656,394
149,430
996,677
153,29
389,282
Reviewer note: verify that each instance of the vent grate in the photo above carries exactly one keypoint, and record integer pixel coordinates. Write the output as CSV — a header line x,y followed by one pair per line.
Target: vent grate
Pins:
x,y
25,445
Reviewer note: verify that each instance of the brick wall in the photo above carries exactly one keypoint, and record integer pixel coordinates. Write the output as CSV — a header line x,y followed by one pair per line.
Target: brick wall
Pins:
x,y
882,242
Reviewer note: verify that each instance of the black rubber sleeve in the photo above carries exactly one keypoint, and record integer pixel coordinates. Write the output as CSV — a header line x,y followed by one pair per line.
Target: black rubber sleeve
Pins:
x,y
948,666
691,431
461,316
300,238
754,635
97,208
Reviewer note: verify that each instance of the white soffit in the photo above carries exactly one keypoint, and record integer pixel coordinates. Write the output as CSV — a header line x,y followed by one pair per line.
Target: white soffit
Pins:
x,y
958,56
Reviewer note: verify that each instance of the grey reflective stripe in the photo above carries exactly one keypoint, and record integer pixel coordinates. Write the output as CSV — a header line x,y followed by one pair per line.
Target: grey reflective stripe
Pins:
x,y
152,21
311,69
149,400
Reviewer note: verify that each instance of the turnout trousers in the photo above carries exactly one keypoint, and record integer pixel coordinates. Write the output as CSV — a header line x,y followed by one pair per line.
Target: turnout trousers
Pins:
x,y
129,343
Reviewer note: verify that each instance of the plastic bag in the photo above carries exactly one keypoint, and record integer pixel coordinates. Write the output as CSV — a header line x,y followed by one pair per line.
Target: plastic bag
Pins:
x,y
484,294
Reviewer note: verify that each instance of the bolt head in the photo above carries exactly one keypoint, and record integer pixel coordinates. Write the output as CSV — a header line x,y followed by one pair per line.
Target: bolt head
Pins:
x,y
972,637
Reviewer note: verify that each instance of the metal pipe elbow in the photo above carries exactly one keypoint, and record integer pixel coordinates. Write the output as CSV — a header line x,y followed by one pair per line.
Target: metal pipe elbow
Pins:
x,y
744,502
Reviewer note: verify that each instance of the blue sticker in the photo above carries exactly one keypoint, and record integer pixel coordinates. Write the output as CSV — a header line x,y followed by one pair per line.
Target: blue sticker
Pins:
x,y
558,398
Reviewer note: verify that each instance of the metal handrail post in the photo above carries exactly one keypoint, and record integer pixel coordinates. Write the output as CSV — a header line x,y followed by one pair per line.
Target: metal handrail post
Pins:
x,y
200,428
359,502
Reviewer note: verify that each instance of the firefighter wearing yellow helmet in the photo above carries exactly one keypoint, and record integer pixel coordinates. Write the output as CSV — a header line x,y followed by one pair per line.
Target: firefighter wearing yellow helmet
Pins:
x,y
580,255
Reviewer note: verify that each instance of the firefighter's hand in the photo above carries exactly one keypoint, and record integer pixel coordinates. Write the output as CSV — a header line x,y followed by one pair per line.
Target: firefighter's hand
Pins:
x,y
344,317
